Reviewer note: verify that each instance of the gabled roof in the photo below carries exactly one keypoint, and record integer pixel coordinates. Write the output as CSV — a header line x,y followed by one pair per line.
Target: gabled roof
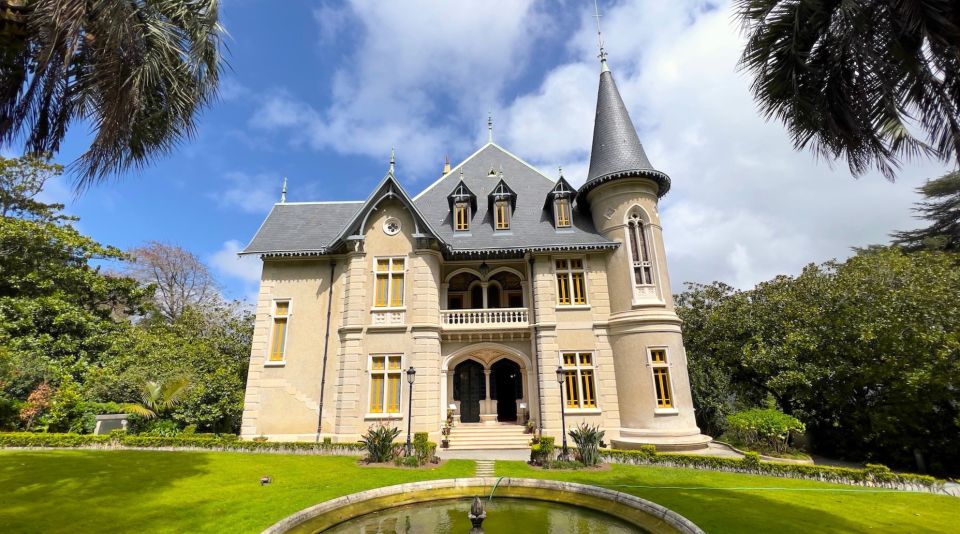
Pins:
x,y
462,193
562,189
617,150
531,227
317,228
502,191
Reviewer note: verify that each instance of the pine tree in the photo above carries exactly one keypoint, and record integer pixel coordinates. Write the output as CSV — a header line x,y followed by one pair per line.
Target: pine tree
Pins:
x,y
941,206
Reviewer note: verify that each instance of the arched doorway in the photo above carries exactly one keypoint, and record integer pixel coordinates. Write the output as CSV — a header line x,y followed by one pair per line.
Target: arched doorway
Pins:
x,y
468,388
506,386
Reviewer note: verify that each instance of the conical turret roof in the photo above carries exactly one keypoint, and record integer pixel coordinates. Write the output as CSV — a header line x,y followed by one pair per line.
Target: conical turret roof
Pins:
x,y
617,151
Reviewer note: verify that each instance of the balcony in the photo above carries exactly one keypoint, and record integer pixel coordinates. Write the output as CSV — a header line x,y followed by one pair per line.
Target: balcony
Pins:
x,y
484,324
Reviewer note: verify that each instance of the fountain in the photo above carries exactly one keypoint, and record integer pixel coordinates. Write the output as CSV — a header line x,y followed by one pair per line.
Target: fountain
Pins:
x,y
477,514
451,506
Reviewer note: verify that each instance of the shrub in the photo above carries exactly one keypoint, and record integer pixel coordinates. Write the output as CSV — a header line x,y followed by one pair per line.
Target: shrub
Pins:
x,y
195,441
764,429
378,442
751,461
423,449
162,427
588,439
541,453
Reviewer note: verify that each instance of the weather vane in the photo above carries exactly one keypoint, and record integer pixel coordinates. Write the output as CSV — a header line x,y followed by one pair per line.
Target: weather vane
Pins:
x,y
603,53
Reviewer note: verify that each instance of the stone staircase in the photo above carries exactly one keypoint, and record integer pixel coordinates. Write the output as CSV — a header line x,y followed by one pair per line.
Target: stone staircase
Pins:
x,y
484,436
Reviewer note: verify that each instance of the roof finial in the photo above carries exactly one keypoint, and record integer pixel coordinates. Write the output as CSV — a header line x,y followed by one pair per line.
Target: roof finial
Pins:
x,y
560,170
393,160
490,127
283,191
461,174
446,165
603,53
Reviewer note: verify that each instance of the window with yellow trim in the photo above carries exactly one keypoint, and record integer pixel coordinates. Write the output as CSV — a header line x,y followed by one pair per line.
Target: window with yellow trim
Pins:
x,y
571,282
461,217
579,385
661,378
385,377
388,283
278,340
562,211
502,214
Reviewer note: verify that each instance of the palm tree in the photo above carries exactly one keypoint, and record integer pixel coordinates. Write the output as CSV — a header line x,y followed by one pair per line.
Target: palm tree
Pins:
x,y
137,71
158,398
856,79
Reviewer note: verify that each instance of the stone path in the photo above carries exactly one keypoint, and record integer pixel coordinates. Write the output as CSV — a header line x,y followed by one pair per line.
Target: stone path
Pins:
x,y
485,468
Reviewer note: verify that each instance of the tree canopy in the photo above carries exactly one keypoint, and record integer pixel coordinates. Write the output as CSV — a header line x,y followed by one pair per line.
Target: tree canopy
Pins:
x,y
865,352
941,207
138,72
854,80
76,338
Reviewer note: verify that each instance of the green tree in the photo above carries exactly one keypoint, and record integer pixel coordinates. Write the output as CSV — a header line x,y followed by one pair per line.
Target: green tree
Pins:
x,y
865,352
137,71
941,206
851,79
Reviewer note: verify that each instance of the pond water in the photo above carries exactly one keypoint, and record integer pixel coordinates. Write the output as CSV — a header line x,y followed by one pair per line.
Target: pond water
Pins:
x,y
504,516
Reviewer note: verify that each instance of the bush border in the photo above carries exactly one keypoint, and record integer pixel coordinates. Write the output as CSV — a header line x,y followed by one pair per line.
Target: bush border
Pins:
x,y
187,442
874,475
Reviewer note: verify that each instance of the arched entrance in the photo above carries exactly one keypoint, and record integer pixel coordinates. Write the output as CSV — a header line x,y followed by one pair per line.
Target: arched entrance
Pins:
x,y
506,386
469,387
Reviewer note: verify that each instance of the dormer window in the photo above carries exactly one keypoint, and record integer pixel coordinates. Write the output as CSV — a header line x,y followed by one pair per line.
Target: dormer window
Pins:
x,y
560,200
561,210
463,204
502,201
502,215
461,217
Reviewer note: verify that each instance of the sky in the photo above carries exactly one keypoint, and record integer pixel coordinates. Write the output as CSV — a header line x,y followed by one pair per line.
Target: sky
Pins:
x,y
319,92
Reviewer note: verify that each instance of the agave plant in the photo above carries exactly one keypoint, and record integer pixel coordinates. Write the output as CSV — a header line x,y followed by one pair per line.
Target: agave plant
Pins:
x,y
158,398
137,71
587,439
379,443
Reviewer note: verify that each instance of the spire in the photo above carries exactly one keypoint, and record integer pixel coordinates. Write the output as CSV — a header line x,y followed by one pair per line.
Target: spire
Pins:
x,y
393,160
617,150
490,127
603,53
283,191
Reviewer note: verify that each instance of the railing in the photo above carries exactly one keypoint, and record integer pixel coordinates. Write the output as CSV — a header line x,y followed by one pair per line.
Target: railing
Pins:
x,y
492,317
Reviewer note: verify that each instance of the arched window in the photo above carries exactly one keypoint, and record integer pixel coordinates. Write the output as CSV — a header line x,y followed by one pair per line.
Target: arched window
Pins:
x,y
640,251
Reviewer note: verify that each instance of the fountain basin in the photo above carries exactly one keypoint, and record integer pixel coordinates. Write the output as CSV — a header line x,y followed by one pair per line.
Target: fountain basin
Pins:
x,y
640,513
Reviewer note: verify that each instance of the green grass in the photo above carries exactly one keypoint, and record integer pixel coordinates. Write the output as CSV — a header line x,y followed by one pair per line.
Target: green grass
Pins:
x,y
717,502
150,491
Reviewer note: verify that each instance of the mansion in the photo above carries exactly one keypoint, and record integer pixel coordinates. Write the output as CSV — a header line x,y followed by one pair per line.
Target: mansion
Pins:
x,y
489,296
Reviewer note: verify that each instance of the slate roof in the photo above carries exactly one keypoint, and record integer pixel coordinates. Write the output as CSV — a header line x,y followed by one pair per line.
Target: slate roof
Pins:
x,y
316,228
296,228
617,150
531,227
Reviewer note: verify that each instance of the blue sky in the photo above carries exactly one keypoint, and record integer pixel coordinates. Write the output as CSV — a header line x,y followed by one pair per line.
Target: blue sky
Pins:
x,y
320,91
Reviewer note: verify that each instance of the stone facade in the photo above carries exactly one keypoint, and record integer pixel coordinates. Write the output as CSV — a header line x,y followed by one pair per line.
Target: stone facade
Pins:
x,y
355,294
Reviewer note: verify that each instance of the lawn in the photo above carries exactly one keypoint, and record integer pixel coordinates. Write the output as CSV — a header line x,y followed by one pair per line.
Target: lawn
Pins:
x,y
149,491
731,502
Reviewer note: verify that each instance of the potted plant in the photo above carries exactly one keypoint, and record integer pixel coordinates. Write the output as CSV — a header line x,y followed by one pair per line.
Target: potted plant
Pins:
x,y
530,426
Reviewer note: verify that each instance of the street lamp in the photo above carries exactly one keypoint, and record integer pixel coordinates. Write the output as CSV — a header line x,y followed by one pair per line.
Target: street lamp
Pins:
x,y
563,415
411,375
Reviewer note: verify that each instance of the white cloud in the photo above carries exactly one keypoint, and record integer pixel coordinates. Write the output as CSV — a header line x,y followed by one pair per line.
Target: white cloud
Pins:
x,y
745,206
244,269
422,78
251,193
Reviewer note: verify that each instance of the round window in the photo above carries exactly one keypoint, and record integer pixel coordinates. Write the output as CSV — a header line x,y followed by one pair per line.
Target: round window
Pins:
x,y
391,226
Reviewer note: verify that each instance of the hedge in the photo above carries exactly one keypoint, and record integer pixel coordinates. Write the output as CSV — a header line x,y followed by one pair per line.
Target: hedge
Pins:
x,y
874,475
196,441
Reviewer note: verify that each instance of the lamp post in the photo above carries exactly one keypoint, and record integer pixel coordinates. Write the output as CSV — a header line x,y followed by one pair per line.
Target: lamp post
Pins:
x,y
411,375
563,415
